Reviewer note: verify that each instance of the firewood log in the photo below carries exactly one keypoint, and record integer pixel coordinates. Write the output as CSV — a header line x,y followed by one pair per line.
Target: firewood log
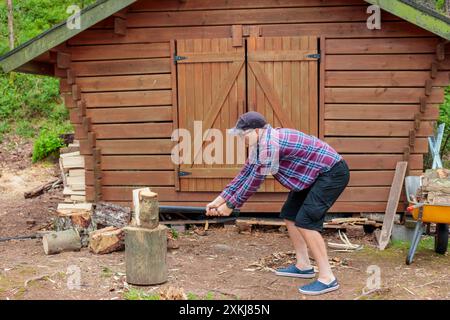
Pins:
x,y
107,240
60,241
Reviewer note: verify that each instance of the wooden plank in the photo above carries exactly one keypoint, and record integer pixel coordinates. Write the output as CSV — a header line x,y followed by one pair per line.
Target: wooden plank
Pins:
x,y
376,128
236,31
404,62
130,114
196,57
391,208
121,67
382,78
375,145
233,4
357,194
120,51
290,55
343,30
255,16
378,112
174,109
120,26
135,147
133,162
124,83
133,178
381,161
381,95
382,45
135,130
322,79
128,98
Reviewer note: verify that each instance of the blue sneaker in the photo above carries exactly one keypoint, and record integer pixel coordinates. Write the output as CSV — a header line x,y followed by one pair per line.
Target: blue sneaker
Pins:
x,y
317,287
293,271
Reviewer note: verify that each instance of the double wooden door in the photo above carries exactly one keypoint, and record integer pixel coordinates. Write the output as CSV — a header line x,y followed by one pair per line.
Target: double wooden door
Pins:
x,y
217,82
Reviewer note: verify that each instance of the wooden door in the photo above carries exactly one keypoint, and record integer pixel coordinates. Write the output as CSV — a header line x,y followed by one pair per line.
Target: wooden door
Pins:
x,y
211,89
283,84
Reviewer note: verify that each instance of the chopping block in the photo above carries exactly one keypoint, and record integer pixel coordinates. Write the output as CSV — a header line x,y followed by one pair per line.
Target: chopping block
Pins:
x,y
146,243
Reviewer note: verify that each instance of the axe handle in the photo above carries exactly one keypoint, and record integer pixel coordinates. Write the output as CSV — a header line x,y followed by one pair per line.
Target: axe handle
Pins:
x,y
187,209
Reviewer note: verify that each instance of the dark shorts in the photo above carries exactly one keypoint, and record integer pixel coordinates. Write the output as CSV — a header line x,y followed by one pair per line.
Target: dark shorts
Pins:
x,y
307,208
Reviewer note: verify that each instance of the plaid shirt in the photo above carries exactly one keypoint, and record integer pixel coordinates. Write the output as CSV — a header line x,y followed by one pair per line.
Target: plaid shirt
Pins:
x,y
293,158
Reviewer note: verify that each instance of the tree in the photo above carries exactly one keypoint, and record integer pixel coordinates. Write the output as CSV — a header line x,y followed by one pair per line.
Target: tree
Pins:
x,y
10,23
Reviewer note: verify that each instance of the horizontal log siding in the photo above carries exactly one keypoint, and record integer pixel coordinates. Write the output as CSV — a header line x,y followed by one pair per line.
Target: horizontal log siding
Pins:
x,y
373,80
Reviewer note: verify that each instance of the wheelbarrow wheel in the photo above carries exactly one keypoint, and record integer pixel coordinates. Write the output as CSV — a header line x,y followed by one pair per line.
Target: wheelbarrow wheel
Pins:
x,y
441,238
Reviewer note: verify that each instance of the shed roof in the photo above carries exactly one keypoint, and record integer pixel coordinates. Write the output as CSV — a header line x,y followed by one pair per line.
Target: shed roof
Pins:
x,y
413,11
59,33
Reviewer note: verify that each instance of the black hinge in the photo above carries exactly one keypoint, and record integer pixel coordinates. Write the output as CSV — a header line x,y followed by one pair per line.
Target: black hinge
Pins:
x,y
313,56
184,173
178,58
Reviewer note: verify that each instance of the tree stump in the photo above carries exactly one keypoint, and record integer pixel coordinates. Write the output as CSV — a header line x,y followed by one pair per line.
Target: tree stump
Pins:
x,y
106,240
60,241
147,214
145,255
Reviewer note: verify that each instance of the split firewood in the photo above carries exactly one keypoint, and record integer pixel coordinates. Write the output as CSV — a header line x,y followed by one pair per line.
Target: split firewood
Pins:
x,y
60,241
43,188
111,215
107,240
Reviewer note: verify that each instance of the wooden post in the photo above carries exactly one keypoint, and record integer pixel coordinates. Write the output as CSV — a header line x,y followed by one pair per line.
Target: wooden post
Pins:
x,y
145,255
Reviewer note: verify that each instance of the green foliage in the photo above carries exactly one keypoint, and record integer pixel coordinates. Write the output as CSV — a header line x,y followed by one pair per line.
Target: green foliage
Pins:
x,y
30,105
444,117
175,233
135,294
48,142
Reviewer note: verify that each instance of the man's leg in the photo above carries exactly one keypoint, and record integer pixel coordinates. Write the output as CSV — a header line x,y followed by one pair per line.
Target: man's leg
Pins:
x,y
315,242
299,243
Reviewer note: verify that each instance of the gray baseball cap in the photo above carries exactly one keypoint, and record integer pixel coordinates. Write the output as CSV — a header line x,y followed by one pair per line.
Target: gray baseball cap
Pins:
x,y
248,121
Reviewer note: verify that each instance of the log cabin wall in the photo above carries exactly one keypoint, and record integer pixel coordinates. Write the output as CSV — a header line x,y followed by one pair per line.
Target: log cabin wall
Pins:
x,y
378,92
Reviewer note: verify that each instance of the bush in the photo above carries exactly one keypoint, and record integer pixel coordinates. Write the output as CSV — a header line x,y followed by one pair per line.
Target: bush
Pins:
x,y
48,141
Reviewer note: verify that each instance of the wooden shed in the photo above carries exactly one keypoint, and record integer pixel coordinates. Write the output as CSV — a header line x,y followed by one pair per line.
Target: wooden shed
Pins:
x,y
137,70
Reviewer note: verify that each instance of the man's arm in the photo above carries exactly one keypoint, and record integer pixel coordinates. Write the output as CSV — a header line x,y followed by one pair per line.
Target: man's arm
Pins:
x,y
248,186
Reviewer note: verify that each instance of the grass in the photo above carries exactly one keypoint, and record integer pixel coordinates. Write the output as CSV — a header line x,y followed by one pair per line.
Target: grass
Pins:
x,y
137,294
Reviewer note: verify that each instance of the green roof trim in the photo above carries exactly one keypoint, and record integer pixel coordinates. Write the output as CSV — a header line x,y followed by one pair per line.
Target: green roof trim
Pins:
x,y
418,15
53,37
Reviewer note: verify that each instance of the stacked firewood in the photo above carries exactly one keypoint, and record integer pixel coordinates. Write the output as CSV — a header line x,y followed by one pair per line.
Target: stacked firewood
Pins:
x,y
73,173
435,187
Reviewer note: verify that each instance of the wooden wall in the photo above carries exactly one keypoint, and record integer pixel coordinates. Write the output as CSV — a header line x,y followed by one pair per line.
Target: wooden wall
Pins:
x,y
119,89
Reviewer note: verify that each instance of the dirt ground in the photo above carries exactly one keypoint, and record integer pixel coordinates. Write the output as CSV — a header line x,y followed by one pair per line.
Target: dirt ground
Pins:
x,y
223,264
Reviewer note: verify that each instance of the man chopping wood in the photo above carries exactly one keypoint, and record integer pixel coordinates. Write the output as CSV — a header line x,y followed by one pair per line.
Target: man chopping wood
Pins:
x,y
314,173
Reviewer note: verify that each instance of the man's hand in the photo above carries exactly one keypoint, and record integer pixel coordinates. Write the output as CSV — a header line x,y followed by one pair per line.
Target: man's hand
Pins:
x,y
211,208
224,211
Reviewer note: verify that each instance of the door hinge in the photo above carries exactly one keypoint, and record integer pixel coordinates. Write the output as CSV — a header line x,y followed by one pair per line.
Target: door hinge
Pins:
x,y
178,58
184,173
313,56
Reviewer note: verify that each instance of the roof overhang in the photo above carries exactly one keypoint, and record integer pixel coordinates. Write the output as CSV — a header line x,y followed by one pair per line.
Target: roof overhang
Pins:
x,y
421,16
60,33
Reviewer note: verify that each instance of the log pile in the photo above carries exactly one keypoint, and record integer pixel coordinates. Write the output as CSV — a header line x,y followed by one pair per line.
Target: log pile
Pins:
x,y
71,164
77,216
435,187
